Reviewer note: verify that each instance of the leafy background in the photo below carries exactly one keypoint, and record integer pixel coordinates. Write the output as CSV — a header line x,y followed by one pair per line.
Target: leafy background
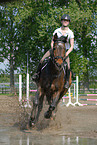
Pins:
x,y
27,26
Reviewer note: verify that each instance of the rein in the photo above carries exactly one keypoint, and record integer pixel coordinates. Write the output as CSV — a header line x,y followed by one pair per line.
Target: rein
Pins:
x,y
58,66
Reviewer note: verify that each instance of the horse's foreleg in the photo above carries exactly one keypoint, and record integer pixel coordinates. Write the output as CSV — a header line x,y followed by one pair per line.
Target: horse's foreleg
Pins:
x,y
52,106
35,105
40,106
36,111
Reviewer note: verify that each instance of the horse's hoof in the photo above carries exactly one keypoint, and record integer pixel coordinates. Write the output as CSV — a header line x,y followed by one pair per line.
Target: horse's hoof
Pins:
x,y
47,114
53,116
33,124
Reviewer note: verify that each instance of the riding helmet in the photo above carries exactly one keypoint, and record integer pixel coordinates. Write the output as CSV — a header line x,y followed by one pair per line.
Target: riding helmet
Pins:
x,y
65,17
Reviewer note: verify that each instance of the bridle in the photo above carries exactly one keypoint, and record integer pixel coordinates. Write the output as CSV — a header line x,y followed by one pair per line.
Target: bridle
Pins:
x,y
56,58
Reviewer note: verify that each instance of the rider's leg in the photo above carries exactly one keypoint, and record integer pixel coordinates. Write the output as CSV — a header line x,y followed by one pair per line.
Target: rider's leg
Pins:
x,y
67,73
36,76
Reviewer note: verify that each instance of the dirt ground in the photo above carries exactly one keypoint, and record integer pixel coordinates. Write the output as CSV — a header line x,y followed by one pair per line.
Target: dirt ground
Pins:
x,y
69,121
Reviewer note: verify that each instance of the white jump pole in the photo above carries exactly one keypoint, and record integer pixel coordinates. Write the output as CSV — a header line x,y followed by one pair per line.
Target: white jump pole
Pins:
x,y
74,91
28,140
27,92
77,103
20,88
69,103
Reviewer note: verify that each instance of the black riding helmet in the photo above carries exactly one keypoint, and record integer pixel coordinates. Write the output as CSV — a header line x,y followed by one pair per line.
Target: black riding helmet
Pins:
x,y
65,17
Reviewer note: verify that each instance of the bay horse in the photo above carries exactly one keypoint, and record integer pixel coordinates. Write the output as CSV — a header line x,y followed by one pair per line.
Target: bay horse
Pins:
x,y
51,82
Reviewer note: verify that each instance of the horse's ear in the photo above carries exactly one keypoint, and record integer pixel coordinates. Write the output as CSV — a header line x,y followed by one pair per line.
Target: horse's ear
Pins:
x,y
63,38
55,37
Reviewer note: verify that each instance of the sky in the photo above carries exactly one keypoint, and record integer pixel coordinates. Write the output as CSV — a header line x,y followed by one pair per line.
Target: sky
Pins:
x,y
3,65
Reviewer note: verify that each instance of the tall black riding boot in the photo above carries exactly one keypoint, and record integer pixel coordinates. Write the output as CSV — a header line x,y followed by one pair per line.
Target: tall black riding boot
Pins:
x,y
36,76
66,85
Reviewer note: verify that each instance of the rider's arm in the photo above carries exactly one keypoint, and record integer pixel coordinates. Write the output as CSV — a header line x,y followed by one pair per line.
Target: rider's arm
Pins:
x,y
52,43
71,46
47,54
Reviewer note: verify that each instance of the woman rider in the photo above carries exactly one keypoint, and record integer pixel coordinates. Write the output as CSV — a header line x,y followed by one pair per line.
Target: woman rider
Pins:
x,y
62,31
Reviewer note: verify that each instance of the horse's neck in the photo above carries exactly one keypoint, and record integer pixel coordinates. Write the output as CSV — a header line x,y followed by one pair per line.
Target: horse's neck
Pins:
x,y
54,68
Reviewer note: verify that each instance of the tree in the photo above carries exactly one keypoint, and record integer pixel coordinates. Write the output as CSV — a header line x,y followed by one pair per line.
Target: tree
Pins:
x,y
8,38
4,1
31,25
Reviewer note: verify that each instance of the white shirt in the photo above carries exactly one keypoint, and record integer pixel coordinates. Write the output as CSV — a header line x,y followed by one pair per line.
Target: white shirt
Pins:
x,y
68,32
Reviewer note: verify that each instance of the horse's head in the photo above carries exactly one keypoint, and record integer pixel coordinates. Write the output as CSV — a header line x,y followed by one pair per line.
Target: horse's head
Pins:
x,y
59,48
